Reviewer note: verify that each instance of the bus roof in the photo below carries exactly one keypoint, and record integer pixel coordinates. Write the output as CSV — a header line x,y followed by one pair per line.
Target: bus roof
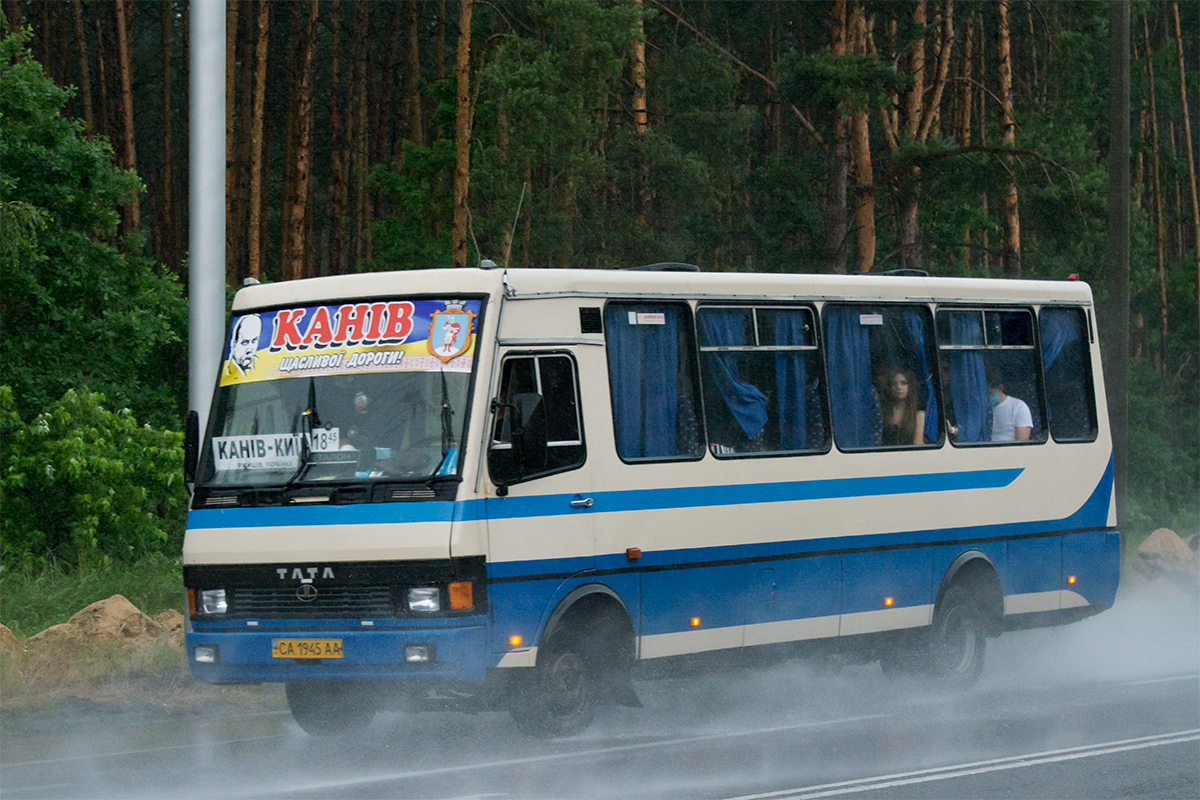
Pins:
x,y
527,283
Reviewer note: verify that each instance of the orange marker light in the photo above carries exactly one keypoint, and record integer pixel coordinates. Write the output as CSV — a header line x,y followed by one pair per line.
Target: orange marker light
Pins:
x,y
462,595
889,601
1071,579
514,641
695,622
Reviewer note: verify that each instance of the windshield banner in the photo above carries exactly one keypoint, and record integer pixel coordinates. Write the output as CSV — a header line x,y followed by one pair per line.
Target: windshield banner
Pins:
x,y
380,336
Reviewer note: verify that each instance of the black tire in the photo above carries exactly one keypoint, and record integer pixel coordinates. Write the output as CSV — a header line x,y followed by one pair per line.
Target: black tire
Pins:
x,y
957,639
325,708
559,698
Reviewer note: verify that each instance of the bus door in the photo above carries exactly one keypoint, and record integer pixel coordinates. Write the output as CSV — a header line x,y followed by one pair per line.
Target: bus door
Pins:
x,y
540,529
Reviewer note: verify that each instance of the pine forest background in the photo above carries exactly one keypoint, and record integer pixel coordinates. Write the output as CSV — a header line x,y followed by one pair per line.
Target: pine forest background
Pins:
x,y
961,138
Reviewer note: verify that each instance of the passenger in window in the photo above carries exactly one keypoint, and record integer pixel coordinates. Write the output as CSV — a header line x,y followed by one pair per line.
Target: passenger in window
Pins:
x,y
904,414
1011,420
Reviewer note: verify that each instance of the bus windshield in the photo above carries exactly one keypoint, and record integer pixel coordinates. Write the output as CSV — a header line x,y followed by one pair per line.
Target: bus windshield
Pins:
x,y
358,391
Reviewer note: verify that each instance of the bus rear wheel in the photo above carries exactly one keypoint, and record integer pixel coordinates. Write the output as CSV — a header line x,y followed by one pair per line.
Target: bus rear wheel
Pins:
x,y
957,640
560,697
325,709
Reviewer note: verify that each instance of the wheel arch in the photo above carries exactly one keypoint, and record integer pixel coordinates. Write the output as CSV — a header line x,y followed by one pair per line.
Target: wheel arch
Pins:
x,y
582,601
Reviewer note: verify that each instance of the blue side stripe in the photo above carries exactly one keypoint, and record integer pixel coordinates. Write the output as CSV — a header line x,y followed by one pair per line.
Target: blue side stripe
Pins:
x,y
742,494
603,502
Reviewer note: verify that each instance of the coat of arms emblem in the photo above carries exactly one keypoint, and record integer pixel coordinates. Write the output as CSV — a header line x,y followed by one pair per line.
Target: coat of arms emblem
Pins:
x,y
450,330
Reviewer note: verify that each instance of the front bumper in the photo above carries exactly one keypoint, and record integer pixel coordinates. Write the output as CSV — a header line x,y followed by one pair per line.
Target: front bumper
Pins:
x,y
462,654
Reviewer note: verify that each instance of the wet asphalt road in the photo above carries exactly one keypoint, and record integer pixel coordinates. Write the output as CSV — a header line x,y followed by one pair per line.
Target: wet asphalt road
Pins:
x,y
1109,707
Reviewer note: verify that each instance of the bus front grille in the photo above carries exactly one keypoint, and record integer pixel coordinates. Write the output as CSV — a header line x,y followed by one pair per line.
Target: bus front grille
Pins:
x,y
312,602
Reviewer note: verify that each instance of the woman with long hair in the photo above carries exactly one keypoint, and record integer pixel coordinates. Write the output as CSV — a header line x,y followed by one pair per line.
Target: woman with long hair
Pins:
x,y
903,415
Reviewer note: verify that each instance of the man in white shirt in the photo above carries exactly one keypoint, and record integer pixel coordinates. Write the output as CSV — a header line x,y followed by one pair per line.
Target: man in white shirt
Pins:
x,y
1011,420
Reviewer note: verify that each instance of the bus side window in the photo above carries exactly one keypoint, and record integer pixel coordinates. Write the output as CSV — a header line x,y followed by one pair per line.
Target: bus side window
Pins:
x,y
539,402
1065,359
987,357
882,382
760,370
652,380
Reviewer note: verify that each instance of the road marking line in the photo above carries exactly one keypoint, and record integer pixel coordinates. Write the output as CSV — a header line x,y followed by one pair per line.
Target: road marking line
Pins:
x,y
8,764
599,751
975,767
1164,680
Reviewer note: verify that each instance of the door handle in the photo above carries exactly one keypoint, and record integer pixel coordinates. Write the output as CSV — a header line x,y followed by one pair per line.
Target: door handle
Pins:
x,y
581,502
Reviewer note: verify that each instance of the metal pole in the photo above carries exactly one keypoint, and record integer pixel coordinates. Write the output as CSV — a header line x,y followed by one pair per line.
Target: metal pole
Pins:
x,y
206,194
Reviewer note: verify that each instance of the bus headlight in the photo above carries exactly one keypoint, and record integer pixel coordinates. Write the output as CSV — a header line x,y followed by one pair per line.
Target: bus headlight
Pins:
x,y
424,598
212,601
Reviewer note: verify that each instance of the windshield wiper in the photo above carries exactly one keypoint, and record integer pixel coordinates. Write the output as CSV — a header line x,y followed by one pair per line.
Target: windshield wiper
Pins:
x,y
447,430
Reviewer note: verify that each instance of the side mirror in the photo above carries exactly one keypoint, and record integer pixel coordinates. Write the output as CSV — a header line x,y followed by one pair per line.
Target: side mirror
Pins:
x,y
191,446
524,426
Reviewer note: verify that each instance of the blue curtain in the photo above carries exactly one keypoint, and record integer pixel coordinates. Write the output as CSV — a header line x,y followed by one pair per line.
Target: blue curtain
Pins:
x,y
854,401
791,382
914,323
726,327
1059,328
968,381
642,364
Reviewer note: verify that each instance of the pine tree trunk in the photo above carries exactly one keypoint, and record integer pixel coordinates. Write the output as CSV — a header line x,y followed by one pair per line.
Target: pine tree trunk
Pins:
x,y
386,119
964,112
1187,137
462,137
254,223
860,157
85,77
1160,228
640,122
103,117
1012,219
133,209
359,137
835,202
231,230
12,10
294,227
247,40
167,223
412,73
339,174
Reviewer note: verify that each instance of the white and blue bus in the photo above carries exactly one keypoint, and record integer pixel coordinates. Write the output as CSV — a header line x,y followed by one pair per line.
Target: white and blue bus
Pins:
x,y
518,485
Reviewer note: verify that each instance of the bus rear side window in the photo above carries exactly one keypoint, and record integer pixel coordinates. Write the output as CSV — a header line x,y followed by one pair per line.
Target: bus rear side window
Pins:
x,y
1067,363
652,378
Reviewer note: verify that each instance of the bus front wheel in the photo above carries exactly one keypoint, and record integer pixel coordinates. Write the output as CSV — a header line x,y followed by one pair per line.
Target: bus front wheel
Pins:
x,y
324,708
559,697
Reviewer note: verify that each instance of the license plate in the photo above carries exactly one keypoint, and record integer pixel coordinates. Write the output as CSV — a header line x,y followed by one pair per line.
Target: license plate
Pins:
x,y
306,648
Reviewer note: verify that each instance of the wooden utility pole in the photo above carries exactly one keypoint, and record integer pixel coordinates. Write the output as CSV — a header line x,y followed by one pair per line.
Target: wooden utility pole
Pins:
x,y
462,137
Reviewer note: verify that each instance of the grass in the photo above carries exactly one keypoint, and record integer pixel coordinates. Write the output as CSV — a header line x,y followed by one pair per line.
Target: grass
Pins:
x,y
33,601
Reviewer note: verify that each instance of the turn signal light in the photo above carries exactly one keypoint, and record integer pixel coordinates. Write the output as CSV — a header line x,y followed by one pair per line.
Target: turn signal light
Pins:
x,y
514,641
889,601
462,596
1071,579
695,622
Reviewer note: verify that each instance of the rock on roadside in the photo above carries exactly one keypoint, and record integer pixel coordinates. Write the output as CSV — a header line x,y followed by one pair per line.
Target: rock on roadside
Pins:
x,y
1165,550
10,648
112,620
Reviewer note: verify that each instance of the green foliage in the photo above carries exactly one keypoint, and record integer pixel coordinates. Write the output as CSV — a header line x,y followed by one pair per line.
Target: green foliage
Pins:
x,y
1164,465
32,600
81,485
80,304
